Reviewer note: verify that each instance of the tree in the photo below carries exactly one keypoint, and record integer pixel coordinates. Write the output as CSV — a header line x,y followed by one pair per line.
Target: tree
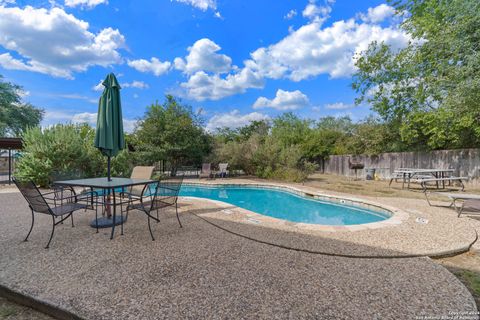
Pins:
x,y
15,116
326,137
172,132
288,129
433,82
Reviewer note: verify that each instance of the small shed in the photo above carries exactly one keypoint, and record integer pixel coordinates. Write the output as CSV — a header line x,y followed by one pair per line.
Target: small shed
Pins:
x,y
7,145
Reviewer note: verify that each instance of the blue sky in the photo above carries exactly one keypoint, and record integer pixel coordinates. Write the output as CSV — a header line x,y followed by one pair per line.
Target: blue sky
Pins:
x,y
233,61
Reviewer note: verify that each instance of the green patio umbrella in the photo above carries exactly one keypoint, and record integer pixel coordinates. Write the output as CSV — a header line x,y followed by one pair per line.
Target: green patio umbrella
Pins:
x,y
109,137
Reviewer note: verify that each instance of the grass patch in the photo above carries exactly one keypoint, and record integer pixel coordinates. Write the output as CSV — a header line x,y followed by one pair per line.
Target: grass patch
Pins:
x,y
6,311
471,279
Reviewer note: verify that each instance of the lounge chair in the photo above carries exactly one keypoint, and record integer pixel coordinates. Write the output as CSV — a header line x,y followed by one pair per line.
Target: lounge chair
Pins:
x,y
206,171
165,195
139,172
469,201
471,205
222,170
62,208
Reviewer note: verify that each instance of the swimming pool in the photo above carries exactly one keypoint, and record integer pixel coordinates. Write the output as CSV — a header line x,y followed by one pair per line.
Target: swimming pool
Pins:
x,y
286,205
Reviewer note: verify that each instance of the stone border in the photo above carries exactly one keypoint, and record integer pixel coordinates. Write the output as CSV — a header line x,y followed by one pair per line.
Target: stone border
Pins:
x,y
37,304
397,216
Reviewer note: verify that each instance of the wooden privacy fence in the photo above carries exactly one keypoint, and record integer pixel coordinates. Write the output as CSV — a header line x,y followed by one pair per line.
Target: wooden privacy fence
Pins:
x,y
465,162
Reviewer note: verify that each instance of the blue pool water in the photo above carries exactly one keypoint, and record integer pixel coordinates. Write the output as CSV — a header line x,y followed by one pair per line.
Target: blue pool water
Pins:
x,y
285,205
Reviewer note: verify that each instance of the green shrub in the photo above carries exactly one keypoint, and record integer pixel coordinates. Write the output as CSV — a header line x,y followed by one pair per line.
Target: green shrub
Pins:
x,y
276,152
65,152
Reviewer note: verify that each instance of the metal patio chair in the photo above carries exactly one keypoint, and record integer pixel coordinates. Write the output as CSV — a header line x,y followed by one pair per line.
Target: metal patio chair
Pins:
x,y
60,206
138,172
158,195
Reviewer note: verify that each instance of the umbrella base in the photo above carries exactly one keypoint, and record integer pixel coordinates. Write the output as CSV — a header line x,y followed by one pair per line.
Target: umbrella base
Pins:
x,y
107,222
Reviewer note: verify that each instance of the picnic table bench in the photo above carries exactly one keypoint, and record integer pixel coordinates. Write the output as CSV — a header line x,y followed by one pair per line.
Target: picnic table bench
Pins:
x,y
424,182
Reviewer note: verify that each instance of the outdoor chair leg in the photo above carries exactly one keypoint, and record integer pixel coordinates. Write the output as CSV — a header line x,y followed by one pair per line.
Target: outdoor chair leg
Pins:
x,y
158,219
129,203
71,218
150,228
31,227
178,218
121,215
460,210
53,231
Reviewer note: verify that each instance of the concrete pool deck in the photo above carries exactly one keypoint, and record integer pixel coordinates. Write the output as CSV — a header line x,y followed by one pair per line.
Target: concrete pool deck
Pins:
x,y
414,230
201,271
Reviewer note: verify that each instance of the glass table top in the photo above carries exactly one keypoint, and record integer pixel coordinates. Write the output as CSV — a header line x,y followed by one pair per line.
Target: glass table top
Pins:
x,y
103,182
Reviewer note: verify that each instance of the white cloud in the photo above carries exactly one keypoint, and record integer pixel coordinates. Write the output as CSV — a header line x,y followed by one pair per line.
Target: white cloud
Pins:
x,y
317,13
203,5
202,86
284,100
84,3
53,42
305,53
85,117
91,119
135,84
204,66
129,125
154,66
99,86
339,106
67,116
203,56
52,117
234,120
292,13
312,50
77,97
23,93
378,14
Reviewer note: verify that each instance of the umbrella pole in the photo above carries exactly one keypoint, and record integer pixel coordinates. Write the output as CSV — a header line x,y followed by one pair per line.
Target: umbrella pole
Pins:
x,y
108,195
108,169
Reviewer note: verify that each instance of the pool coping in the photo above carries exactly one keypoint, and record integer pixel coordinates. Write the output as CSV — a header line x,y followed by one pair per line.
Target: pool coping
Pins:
x,y
397,216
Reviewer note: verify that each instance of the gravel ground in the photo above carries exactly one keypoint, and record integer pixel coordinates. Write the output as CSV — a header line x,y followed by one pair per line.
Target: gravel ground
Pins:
x,y
200,272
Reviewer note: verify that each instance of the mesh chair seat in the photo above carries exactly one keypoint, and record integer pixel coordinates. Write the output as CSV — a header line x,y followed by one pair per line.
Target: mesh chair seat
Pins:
x,y
37,203
67,208
157,204
158,195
